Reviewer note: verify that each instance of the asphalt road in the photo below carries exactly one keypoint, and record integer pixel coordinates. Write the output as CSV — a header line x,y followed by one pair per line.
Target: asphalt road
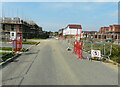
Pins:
x,y
50,64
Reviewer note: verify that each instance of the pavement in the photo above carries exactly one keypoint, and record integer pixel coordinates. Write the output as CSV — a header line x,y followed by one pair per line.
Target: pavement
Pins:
x,y
50,64
9,44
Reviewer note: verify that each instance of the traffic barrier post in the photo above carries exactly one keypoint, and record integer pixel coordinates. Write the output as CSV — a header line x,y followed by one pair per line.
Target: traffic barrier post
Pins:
x,y
76,47
80,50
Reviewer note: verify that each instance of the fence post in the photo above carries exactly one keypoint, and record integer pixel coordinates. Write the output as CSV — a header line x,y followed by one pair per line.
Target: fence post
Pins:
x,y
104,49
110,50
91,48
91,45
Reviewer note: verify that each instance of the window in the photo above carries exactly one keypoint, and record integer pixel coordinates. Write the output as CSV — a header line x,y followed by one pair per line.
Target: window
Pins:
x,y
3,27
12,27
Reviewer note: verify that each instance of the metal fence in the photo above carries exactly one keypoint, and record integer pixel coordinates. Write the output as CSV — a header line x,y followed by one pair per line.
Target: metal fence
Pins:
x,y
108,50
105,48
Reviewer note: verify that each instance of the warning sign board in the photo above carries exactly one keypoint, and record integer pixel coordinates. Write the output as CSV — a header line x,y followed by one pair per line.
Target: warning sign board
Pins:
x,y
95,53
12,35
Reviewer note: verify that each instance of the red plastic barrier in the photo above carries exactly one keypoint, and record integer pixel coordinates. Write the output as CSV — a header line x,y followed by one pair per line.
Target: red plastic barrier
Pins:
x,y
80,50
75,47
78,46
17,44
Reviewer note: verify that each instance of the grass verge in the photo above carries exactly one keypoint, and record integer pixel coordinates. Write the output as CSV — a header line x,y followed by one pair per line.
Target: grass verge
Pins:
x,y
6,48
9,55
29,42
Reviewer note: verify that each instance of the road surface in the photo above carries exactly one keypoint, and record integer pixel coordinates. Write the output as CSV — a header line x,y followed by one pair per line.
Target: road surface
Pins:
x,y
50,64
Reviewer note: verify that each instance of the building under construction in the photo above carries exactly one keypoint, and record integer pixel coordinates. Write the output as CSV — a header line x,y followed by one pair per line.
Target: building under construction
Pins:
x,y
29,29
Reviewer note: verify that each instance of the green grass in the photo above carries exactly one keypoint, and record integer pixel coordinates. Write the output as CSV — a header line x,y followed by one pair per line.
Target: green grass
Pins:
x,y
3,53
4,58
10,49
29,42
116,59
5,41
23,50
6,48
8,56
115,55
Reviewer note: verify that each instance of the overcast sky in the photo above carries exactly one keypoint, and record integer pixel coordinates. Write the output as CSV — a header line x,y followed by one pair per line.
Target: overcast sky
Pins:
x,y
53,16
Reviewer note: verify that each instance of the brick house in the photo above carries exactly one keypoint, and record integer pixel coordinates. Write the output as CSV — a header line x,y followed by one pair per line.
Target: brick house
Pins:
x,y
106,33
114,32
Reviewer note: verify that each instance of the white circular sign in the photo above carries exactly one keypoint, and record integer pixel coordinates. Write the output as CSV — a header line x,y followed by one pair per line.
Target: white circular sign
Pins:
x,y
95,53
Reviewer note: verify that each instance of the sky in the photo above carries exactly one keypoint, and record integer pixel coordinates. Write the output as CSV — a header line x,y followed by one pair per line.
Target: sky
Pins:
x,y
52,16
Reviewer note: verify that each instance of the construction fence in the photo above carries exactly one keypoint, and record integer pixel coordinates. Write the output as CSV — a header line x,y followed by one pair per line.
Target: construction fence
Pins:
x,y
108,50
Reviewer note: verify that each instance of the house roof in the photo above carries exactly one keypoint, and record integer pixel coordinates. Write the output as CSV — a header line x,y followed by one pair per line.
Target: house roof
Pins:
x,y
106,27
75,26
110,26
90,31
117,26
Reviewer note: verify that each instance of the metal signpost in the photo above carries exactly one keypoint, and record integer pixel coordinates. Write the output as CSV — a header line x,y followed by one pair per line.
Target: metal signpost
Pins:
x,y
12,37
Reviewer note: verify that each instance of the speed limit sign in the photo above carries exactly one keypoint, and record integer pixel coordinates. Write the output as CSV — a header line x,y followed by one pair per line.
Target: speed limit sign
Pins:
x,y
95,53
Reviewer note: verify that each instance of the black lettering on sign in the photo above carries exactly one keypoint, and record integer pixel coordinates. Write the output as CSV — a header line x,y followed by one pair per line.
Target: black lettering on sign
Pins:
x,y
12,34
95,53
